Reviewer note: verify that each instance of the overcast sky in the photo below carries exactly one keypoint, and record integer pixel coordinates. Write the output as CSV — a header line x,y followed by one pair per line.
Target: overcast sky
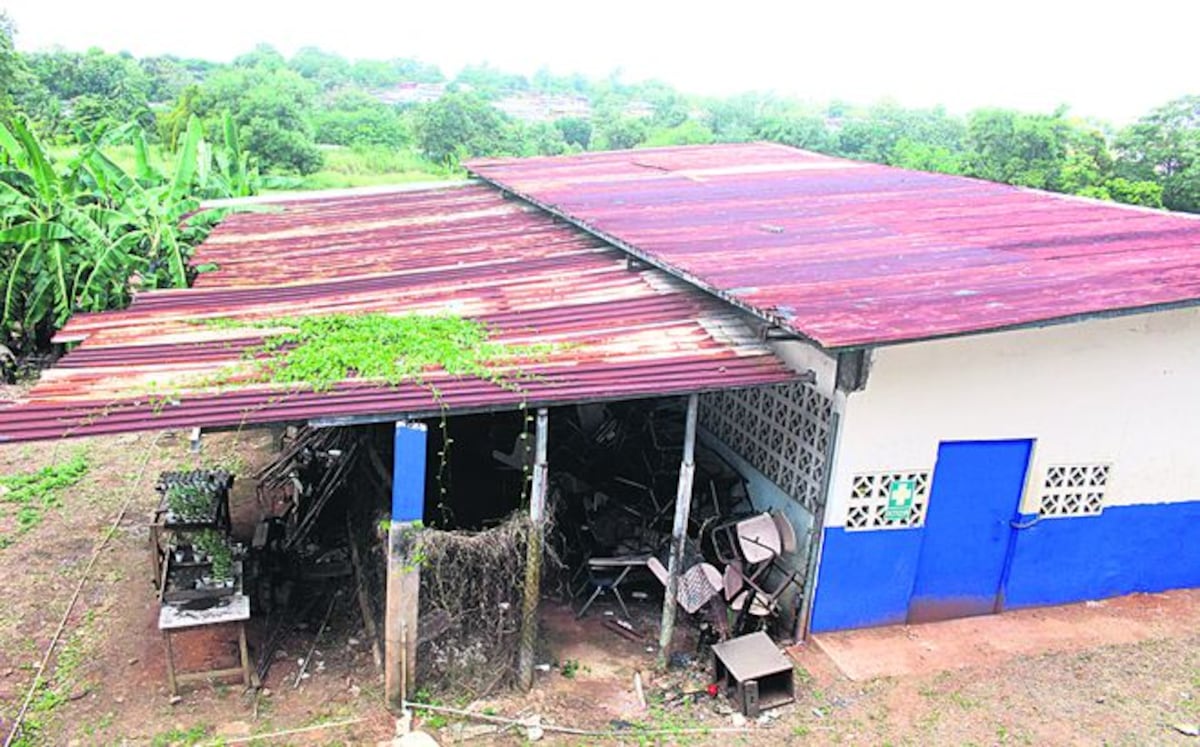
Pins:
x,y
1104,59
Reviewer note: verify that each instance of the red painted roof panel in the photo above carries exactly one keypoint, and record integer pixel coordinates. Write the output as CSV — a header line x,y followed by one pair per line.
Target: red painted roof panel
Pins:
x,y
463,249
853,254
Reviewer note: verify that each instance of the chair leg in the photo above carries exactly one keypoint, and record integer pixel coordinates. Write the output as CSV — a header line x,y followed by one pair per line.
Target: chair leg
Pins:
x,y
621,601
588,603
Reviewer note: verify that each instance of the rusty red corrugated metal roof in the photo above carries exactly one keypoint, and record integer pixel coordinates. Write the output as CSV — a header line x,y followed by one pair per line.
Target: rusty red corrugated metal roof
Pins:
x,y
463,249
852,254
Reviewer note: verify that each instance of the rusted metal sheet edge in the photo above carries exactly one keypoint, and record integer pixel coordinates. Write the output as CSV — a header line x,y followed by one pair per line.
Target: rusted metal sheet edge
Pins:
x,y
277,198
144,418
876,342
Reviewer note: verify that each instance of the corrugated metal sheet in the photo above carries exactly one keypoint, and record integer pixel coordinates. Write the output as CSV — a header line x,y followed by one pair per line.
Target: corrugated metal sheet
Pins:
x,y
852,254
466,249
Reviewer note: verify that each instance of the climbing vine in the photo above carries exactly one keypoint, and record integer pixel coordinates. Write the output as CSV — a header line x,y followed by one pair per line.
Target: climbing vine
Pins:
x,y
322,350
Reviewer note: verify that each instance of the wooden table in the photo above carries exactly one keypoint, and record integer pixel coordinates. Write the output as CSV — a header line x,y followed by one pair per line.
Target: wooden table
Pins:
x,y
232,610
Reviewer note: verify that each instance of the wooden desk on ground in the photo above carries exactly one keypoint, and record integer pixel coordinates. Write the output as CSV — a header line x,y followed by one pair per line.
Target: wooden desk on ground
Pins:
x,y
232,610
754,674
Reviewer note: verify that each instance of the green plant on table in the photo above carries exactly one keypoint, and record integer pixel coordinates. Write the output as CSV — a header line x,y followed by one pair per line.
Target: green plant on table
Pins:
x,y
190,502
213,545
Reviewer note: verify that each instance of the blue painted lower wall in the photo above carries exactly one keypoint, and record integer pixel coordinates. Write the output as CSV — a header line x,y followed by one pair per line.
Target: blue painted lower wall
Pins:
x,y
866,578
1125,549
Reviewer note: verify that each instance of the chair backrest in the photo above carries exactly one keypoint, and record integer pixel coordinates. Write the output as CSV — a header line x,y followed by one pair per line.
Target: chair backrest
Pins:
x,y
758,538
787,533
697,586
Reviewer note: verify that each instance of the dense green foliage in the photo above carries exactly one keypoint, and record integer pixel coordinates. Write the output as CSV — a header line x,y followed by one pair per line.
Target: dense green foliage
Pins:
x,y
463,125
82,235
290,113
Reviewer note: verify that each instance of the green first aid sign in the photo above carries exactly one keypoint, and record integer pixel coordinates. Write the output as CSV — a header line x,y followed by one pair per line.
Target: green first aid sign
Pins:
x,y
900,499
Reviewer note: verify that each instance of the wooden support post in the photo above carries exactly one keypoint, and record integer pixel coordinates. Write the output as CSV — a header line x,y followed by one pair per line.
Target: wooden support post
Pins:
x,y
533,555
683,506
403,574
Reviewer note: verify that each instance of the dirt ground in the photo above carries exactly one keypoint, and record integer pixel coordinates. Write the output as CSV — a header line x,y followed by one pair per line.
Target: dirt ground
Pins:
x,y
106,683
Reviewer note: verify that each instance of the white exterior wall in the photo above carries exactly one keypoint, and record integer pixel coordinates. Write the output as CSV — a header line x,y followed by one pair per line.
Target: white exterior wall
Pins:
x,y
1123,390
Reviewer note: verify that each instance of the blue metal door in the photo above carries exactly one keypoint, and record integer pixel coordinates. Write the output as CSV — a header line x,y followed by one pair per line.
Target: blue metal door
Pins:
x,y
974,498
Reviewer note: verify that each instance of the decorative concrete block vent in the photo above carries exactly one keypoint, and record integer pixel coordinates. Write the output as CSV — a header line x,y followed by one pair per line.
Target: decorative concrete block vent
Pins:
x,y
888,500
1074,490
782,430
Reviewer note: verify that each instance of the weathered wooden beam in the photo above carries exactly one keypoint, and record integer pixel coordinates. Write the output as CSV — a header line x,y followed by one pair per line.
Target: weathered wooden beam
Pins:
x,y
403,572
533,554
683,506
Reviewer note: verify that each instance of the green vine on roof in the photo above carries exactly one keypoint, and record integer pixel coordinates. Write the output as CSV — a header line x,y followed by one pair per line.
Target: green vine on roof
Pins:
x,y
323,350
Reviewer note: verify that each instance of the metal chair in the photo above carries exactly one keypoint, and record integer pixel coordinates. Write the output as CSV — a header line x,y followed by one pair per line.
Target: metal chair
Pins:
x,y
607,574
753,540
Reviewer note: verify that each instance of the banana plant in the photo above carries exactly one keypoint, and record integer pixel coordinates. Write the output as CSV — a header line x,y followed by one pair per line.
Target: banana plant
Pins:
x,y
81,236
54,244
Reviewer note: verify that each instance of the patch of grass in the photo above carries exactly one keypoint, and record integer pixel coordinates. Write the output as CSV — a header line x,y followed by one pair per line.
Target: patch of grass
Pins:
x,y
677,722
54,690
963,701
368,166
180,737
431,719
804,678
33,493
569,668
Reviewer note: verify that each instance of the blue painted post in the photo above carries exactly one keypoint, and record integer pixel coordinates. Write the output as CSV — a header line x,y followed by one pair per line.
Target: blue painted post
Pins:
x,y
408,472
404,576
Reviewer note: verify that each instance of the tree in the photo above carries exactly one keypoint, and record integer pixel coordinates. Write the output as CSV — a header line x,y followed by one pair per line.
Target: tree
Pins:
x,y
688,132
575,131
490,82
262,56
90,88
168,76
355,118
798,130
1163,148
876,135
619,133
272,107
670,108
1029,150
326,69
543,139
12,69
1141,192
743,117
910,154
462,125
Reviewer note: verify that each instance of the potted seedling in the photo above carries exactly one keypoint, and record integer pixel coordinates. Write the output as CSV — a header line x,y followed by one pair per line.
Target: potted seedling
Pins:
x,y
189,503
216,550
